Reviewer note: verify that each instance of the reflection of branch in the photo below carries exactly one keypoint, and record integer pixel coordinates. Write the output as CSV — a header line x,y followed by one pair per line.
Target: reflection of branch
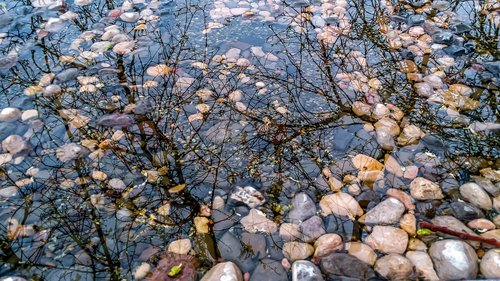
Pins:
x,y
459,234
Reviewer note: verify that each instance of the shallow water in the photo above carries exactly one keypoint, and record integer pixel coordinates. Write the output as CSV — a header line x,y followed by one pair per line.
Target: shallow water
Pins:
x,y
135,98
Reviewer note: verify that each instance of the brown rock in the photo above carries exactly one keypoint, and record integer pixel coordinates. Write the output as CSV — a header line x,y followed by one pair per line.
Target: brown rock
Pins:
x,y
388,239
326,244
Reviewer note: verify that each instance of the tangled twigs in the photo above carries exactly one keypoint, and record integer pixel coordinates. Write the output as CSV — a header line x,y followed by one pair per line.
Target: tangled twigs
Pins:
x,y
459,234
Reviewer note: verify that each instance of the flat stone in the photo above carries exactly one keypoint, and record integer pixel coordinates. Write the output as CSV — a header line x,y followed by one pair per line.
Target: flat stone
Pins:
x,y
227,271
394,267
297,250
312,228
303,207
465,211
388,239
423,265
481,224
473,193
326,244
454,259
341,204
9,114
305,271
362,252
490,264
424,189
386,212
409,224
346,266
256,221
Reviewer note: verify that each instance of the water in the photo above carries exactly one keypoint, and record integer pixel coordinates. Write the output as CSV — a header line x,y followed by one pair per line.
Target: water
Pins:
x,y
247,93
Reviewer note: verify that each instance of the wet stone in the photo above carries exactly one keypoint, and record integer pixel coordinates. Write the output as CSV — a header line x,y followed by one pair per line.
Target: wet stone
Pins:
x,y
248,195
67,75
269,270
394,267
344,265
231,249
312,228
443,37
326,244
223,271
465,211
388,239
388,211
303,207
490,264
305,271
455,50
255,243
415,20
454,259
423,264
474,194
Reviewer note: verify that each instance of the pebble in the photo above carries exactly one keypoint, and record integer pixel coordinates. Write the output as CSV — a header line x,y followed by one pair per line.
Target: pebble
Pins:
x,y
454,259
256,221
70,151
116,184
411,134
248,195
491,234
386,212
297,250
409,224
142,271
455,224
305,271
394,267
9,114
312,228
402,196
129,17
490,264
8,192
481,224
98,175
465,211
303,207
366,163
486,184
52,90
341,204
388,239
474,194
326,244
424,189
29,114
290,231
347,266
5,158
181,246
15,144
423,265
201,224
227,271
67,75
218,203
362,252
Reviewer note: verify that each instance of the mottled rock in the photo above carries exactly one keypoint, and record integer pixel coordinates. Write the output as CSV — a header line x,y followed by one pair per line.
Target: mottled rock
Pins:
x,y
475,195
341,204
424,189
116,120
366,163
490,264
454,259
326,244
70,151
297,250
227,271
312,228
303,207
343,265
256,221
269,270
305,271
394,267
362,252
248,195
423,265
388,239
402,196
388,211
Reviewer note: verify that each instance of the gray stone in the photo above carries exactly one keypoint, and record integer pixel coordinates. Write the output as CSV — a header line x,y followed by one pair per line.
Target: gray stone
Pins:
x,y
388,211
255,243
486,184
344,265
67,75
465,211
269,270
116,120
312,228
443,37
231,249
6,129
474,194
454,259
305,271
290,231
303,207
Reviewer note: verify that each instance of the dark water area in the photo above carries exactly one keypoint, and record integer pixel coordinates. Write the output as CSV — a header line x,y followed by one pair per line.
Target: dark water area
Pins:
x,y
296,140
